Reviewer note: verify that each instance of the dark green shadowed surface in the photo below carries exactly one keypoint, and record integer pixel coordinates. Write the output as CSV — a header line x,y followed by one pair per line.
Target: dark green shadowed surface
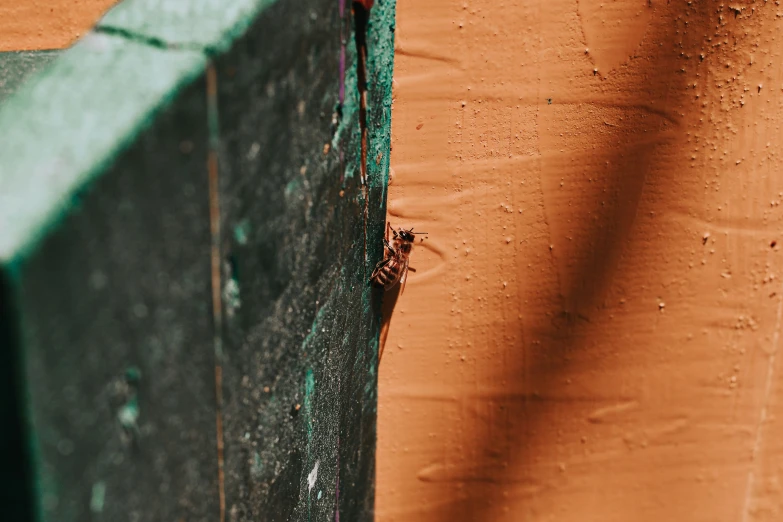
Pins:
x,y
300,383
110,257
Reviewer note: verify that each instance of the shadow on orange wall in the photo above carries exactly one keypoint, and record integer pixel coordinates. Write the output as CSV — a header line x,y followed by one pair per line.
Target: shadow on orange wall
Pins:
x,y
599,348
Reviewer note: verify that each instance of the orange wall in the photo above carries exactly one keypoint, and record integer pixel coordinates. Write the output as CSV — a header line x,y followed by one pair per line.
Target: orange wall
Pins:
x,y
52,24
593,329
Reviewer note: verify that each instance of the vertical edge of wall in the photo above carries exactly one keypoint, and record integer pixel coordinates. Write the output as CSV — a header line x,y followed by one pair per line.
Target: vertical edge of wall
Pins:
x,y
123,284
380,67
300,322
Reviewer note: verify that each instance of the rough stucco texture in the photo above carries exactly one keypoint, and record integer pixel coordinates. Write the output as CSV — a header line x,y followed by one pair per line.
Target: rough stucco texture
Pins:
x,y
32,25
592,332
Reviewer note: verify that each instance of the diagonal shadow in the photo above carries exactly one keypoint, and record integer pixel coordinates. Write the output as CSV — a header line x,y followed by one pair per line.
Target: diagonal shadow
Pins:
x,y
594,258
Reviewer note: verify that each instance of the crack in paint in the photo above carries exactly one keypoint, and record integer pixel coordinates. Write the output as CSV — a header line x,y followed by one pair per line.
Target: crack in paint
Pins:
x,y
151,41
361,17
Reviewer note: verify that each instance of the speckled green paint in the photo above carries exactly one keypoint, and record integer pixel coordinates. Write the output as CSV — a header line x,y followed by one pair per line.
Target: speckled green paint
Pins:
x,y
347,131
380,64
313,333
257,468
241,231
308,403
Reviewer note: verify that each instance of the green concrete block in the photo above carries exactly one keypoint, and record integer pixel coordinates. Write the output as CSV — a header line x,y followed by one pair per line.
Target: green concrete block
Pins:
x,y
186,327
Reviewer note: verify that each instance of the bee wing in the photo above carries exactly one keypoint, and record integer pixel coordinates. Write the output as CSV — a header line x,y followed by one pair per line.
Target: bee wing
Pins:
x,y
404,277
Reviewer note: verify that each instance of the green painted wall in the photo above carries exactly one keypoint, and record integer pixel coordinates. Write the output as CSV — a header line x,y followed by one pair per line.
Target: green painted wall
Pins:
x,y
185,317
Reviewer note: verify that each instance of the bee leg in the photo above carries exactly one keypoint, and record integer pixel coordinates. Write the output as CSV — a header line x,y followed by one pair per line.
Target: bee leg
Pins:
x,y
391,248
411,269
389,227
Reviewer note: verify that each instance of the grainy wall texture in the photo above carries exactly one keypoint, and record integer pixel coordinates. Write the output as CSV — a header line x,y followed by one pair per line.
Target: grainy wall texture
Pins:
x,y
593,330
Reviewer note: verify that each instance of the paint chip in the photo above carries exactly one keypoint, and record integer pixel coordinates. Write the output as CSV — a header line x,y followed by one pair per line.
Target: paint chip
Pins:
x,y
128,415
98,497
242,231
255,148
312,477
257,467
231,296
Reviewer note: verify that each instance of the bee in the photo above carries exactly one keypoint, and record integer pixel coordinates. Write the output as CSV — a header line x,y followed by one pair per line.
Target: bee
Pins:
x,y
394,267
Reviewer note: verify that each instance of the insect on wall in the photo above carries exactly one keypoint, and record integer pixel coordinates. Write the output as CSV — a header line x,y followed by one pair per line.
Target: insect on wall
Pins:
x,y
391,273
394,266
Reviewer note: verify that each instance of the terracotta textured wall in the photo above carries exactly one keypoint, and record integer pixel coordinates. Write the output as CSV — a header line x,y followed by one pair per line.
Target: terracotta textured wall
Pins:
x,y
592,333
52,24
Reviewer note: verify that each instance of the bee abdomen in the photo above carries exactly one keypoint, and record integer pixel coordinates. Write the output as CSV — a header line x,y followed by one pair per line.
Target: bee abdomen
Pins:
x,y
388,275
385,277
